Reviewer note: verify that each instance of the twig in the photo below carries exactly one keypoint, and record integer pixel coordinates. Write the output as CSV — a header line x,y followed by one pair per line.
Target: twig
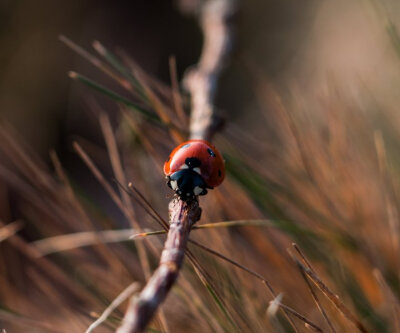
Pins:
x,y
201,83
140,311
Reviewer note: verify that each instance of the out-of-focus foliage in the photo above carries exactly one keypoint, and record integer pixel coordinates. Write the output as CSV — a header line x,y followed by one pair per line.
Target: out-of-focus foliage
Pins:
x,y
311,140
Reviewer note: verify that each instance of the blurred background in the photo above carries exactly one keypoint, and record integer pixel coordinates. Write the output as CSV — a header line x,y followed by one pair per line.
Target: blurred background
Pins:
x,y
311,139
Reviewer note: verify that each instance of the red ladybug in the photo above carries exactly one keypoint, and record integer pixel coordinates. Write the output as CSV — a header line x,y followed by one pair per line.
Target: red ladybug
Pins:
x,y
193,167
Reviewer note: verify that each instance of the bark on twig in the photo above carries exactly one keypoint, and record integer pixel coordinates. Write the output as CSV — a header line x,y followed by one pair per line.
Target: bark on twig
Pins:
x,y
183,215
201,83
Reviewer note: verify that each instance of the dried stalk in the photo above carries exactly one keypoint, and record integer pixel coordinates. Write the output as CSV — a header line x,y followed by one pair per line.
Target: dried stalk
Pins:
x,y
309,272
332,297
201,80
201,83
128,291
301,317
183,215
313,294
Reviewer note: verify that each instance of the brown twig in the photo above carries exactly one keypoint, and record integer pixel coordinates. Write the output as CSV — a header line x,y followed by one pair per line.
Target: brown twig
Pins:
x,y
182,216
201,83
201,80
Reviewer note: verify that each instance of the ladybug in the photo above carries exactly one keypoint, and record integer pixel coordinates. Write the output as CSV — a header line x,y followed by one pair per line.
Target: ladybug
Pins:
x,y
193,167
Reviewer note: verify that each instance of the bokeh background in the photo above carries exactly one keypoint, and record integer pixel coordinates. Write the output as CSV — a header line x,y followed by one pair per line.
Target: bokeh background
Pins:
x,y
311,139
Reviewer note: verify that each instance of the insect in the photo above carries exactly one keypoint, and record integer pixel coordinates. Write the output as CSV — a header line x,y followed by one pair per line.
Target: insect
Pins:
x,y
193,167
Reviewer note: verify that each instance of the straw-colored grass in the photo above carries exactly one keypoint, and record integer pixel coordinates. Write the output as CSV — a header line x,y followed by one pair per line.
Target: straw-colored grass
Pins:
x,y
325,176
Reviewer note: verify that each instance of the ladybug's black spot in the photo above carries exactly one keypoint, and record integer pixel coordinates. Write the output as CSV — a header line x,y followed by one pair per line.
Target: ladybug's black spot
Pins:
x,y
192,162
219,173
185,146
211,152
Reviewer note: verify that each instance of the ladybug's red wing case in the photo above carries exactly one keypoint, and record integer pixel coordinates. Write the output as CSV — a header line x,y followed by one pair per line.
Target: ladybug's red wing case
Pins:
x,y
194,166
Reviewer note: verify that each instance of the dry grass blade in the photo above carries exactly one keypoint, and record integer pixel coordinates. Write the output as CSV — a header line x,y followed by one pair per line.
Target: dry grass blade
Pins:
x,y
88,238
51,247
145,234
391,300
113,153
23,161
135,125
85,157
139,198
114,196
246,269
177,98
120,175
236,223
198,305
95,62
161,110
147,204
317,302
303,257
30,323
207,282
80,239
313,294
116,64
49,267
10,230
125,209
127,292
307,322
115,96
96,172
216,225
332,297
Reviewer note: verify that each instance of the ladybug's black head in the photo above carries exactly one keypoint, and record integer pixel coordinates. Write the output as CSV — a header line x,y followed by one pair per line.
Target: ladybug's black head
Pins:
x,y
187,183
